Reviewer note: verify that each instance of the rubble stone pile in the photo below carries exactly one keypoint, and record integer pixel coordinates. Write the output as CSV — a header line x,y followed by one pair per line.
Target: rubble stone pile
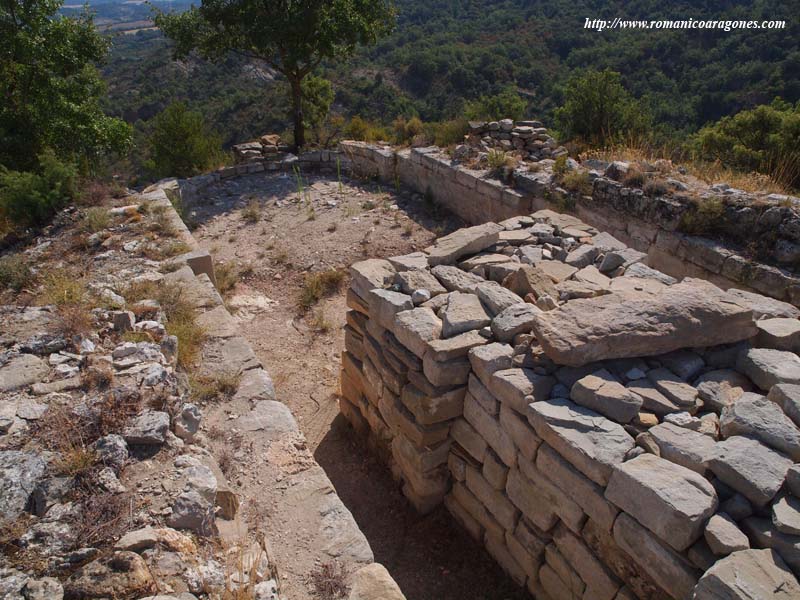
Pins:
x,y
605,430
529,139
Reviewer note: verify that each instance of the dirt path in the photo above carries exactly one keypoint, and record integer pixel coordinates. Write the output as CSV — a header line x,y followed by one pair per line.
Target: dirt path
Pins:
x,y
276,231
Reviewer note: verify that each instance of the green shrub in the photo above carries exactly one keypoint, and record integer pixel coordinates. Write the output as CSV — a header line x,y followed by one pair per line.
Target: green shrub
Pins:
x,y
31,198
497,159
446,133
405,130
599,110
765,139
560,165
181,144
364,131
508,104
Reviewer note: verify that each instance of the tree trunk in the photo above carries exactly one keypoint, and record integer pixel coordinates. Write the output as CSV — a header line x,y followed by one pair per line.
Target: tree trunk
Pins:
x,y
297,111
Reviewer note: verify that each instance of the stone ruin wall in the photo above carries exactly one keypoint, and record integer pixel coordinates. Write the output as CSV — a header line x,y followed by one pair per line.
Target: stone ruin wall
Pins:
x,y
648,224
506,372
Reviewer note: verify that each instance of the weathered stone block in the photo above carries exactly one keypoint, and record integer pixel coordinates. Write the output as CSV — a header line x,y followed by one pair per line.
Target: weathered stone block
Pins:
x,y
470,240
584,492
749,467
385,304
513,386
668,569
416,328
491,431
428,410
592,443
602,393
495,501
670,500
748,574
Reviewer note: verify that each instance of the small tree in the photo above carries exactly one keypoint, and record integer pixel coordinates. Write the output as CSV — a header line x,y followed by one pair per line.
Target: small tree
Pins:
x,y
50,88
598,110
181,144
506,105
292,36
317,99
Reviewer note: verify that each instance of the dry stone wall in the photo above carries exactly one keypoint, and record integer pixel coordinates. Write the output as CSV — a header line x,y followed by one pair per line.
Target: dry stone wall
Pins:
x,y
605,431
648,224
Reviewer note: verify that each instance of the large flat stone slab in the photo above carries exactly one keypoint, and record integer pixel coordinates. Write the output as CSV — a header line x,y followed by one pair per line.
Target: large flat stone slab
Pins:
x,y
470,240
764,306
19,474
693,313
670,500
369,274
513,386
496,298
591,443
513,320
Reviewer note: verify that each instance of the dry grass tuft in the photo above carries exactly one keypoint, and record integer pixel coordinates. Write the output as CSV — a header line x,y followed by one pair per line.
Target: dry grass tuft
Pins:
x,y
180,316
161,222
62,288
103,518
15,272
320,285
169,249
329,581
97,377
634,178
218,386
703,217
252,212
227,274
319,322
578,182
96,219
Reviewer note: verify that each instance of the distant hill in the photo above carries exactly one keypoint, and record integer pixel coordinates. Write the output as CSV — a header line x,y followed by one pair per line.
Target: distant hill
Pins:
x,y
446,52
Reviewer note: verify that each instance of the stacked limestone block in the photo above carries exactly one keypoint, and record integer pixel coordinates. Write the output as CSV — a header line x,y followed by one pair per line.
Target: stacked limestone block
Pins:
x,y
527,137
605,431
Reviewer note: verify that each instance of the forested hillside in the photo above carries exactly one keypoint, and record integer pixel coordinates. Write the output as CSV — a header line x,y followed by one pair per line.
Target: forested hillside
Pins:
x,y
446,53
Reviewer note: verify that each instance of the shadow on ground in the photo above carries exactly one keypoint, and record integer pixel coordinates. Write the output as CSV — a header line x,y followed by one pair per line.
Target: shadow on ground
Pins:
x,y
276,190
430,556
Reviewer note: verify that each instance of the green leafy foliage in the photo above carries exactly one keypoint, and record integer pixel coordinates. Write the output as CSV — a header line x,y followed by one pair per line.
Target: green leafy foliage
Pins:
x,y
292,37
30,198
765,139
181,143
50,88
506,105
599,110
317,99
